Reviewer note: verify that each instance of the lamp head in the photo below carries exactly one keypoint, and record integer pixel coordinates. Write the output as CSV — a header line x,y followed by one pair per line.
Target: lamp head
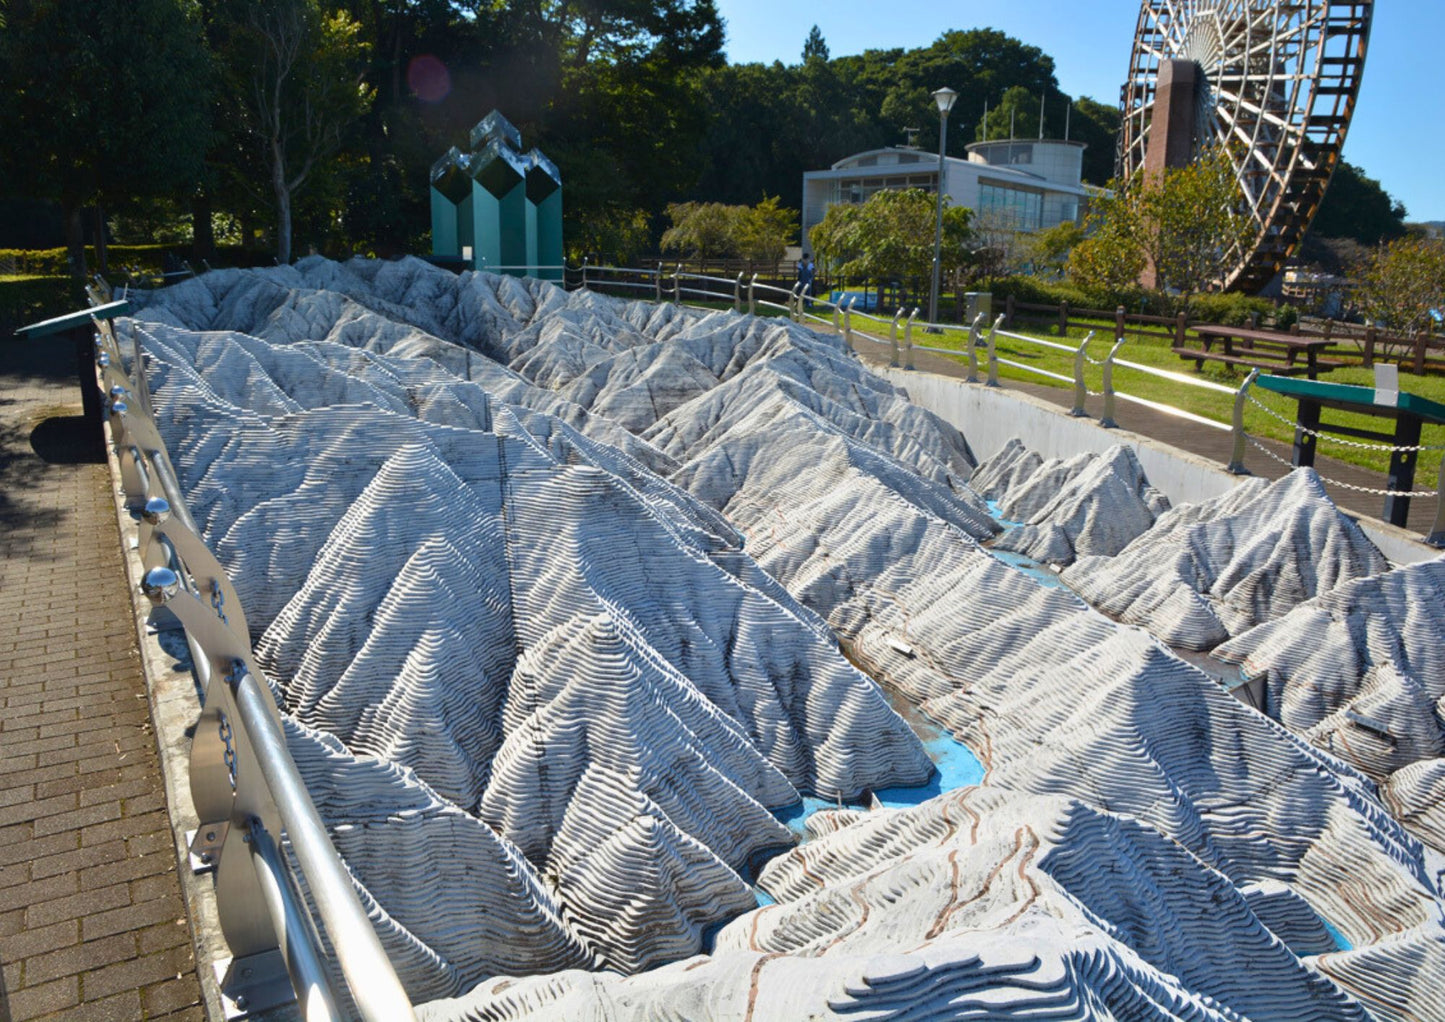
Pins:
x,y
944,98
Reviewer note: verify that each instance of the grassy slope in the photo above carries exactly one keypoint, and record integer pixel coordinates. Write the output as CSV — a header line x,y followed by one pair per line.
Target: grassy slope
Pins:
x,y
1155,352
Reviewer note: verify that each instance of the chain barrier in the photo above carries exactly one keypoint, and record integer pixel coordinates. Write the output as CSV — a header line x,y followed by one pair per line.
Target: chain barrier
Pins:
x,y
1340,440
1343,485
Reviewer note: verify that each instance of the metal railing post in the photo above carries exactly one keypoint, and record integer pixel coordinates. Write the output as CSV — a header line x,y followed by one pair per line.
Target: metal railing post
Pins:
x,y
848,324
738,293
752,296
1436,535
1236,456
893,340
973,333
908,338
677,285
1080,390
1108,420
657,284
837,316
584,273
993,351
795,304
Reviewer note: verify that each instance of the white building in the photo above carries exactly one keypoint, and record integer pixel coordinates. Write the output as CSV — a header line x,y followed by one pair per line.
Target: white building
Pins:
x,y
1015,183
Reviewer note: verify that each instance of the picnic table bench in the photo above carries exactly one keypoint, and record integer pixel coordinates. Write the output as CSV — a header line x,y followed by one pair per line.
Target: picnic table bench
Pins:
x,y
1385,401
1265,350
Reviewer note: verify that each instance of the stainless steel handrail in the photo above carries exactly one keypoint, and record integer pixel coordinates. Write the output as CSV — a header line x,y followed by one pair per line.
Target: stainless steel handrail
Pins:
x,y
374,986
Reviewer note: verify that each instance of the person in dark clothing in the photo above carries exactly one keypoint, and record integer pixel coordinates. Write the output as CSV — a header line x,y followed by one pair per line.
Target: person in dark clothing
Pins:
x,y
806,271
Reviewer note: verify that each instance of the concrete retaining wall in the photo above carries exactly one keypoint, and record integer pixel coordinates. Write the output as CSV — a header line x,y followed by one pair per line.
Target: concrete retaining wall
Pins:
x,y
990,416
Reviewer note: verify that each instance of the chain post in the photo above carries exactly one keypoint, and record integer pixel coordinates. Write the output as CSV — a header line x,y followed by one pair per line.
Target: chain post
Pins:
x,y
908,339
1080,390
1436,536
1108,420
973,336
584,273
1236,457
993,351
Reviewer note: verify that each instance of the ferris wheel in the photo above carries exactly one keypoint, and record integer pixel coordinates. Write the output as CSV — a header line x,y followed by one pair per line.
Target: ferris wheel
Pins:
x,y
1275,84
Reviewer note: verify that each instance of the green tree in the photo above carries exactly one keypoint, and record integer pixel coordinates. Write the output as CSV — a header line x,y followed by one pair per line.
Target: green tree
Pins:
x,y
891,236
1403,282
1110,259
765,230
296,71
702,230
814,48
1355,206
1049,249
609,234
1184,225
1192,227
84,121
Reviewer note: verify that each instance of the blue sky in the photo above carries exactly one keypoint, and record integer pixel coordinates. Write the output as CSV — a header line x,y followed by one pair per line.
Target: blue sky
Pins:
x,y
1397,136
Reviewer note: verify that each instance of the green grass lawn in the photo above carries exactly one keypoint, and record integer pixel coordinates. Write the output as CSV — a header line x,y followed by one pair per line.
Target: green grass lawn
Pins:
x,y
1156,352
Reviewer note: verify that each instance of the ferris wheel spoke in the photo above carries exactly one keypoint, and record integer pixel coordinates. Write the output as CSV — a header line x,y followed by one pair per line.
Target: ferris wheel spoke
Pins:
x,y
1280,79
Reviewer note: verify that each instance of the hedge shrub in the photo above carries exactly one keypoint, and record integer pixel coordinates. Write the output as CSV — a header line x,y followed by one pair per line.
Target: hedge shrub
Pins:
x,y
30,299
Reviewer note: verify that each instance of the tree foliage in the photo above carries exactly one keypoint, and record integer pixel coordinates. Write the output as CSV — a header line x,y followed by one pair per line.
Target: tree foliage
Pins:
x,y
708,230
891,236
814,47
296,72
1355,206
83,120
1402,284
1185,225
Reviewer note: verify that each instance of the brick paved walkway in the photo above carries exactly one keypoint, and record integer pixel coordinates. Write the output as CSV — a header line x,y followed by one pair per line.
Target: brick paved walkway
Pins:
x,y
92,925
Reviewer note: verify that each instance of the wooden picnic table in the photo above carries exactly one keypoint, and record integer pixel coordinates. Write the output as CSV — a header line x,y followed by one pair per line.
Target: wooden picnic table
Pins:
x,y
1265,350
1410,412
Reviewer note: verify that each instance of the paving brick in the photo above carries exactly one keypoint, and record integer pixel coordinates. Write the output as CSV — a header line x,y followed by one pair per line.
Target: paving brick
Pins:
x,y
171,996
39,940
121,1007
161,936
33,1002
82,904
79,859
38,808
39,891
78,958
76,819
130,917
127,869
83,827
136,973
37,851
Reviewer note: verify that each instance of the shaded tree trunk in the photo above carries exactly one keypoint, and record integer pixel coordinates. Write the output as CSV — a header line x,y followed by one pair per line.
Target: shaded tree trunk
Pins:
x,y
102,255
75,241
283,203
283,226
203,233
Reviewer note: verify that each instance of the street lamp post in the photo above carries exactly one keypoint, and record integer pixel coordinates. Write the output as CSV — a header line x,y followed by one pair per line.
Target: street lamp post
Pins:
x,y
944,98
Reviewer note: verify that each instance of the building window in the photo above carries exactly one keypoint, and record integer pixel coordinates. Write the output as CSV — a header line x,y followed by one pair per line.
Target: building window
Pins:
x,y
858,190
1011,207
